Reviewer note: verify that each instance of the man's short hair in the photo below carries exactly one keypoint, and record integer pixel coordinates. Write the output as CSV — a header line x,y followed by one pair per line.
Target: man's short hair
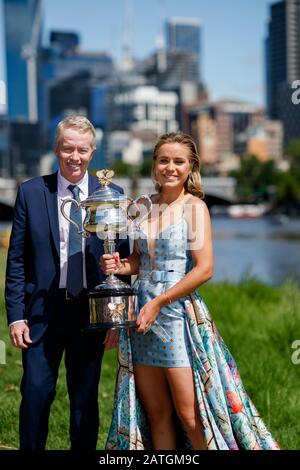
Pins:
x,y
80,123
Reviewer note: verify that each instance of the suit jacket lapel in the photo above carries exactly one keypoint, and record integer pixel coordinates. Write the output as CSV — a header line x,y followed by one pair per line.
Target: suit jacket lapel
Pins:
x,y
51,204
93,184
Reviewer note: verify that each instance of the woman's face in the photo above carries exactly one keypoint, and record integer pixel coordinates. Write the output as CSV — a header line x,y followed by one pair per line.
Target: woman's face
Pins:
x,y
172,165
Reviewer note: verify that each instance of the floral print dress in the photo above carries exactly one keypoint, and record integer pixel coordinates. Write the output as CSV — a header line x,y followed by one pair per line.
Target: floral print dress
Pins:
x,y
229,418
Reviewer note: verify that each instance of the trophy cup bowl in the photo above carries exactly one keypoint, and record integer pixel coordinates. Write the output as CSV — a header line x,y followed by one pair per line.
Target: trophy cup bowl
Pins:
x,y
113,304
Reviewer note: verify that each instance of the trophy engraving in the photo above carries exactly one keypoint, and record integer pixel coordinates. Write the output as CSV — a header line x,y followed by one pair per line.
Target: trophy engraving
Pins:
x,y
105,176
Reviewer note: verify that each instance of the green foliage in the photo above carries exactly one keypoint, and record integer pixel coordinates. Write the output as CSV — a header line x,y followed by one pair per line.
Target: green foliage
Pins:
x,y
134,171
122,169
254,177
146,167
288,187
125,169
293,153
259,323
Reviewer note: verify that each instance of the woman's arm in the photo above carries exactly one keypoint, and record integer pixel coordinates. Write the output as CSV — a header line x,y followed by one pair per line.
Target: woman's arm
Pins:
x,y
200,245
111,264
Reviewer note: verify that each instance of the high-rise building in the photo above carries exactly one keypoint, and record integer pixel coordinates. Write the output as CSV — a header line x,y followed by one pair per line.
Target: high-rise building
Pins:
x,y
5,169
221,129
22,24
64,41
184,35
67,73
276,55
145,108
283,64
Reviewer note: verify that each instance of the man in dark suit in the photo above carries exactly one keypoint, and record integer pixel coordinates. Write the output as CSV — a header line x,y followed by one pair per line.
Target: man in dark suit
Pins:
x,y
45,310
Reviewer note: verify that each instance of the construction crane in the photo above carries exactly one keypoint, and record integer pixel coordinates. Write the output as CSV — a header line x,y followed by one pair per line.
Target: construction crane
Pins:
x,y
126,63
160,42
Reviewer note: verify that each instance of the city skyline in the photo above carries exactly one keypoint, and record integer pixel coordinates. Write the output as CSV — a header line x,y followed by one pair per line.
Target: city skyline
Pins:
x,y
234,71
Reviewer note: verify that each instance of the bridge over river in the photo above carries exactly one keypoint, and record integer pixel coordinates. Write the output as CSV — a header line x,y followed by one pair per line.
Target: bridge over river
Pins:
x,y
218,191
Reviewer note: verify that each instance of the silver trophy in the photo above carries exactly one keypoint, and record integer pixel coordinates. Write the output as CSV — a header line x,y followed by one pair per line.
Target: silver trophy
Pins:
x,y
109,214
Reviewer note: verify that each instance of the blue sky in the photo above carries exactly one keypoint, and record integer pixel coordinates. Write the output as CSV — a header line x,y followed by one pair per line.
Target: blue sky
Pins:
x,y
232,36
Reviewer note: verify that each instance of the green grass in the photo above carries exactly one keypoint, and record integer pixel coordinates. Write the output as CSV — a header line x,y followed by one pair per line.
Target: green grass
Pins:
x,y
258,323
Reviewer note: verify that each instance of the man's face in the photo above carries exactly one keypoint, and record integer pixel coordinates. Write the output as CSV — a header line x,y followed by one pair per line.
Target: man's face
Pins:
x,y
74,152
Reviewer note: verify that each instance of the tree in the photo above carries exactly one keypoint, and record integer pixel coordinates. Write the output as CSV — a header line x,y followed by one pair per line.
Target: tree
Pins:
x,y
146,167
254,177
288,188
292,152
121,168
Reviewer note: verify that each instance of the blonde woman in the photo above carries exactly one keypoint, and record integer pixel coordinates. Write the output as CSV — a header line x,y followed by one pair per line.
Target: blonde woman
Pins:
x,y
187,388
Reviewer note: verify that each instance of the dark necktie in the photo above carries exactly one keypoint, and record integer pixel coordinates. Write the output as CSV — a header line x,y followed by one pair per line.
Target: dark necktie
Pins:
x,y
75,257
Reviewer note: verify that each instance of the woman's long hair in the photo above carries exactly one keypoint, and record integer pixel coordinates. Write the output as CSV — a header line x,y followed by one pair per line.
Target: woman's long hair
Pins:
x,y
193,183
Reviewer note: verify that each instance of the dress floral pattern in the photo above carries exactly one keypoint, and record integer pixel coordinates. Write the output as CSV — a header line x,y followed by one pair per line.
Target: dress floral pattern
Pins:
x,y
229,419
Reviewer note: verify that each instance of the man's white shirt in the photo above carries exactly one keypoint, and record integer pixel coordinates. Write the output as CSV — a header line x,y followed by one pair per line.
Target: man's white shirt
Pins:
x,y
64,193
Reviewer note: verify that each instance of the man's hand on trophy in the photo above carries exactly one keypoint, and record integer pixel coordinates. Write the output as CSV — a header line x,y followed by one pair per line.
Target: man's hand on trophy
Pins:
x,y
110,264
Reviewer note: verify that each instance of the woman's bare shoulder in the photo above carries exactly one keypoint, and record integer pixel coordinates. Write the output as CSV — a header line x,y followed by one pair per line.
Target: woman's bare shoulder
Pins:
x,y
194,200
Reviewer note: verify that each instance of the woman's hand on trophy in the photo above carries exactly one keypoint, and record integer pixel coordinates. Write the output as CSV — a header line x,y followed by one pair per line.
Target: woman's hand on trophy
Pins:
x,y
110,264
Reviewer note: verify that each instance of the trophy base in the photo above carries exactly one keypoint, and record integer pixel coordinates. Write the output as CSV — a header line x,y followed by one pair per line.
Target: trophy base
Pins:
x,y
100,327
112,306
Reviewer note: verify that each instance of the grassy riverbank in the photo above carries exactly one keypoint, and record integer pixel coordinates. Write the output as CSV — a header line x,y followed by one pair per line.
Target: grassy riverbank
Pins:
x,y
259,324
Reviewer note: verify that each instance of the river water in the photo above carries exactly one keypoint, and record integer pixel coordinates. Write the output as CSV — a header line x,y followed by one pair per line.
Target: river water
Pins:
x,y
266,248
263,248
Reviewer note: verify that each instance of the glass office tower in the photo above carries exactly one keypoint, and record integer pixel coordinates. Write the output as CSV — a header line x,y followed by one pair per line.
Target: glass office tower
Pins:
x,y
184,35
22,25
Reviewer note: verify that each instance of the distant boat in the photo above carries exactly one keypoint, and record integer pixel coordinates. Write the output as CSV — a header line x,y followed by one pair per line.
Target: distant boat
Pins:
x,y
247,211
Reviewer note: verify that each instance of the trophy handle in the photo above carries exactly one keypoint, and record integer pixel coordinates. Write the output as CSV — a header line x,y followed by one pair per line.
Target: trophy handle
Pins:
x,y
142,206
83,233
